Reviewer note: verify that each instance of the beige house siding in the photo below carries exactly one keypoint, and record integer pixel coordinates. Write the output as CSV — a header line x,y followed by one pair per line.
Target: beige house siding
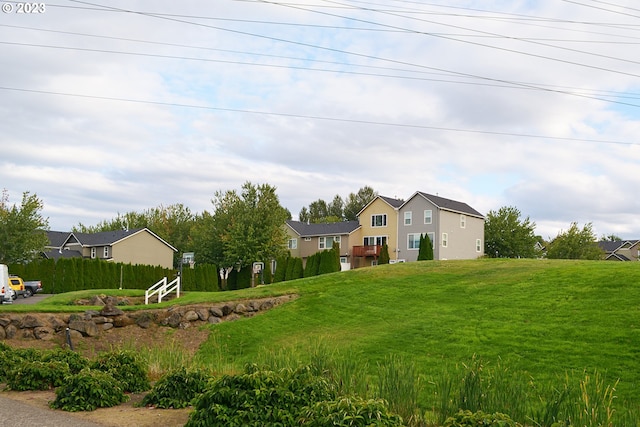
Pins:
x,y
142,248
461,242
390,230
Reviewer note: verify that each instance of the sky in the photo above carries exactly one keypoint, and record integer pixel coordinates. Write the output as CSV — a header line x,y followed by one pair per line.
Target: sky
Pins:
x,y
119,106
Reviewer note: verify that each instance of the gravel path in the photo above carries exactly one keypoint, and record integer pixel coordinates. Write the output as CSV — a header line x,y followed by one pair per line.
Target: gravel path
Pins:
x,y
14,413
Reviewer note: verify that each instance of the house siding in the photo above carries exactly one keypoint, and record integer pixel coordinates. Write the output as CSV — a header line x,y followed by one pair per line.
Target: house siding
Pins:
x,y
390,231
417,206
142,248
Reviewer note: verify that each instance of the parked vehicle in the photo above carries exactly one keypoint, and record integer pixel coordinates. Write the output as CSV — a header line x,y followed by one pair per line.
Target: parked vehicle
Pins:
x,y
32,287
6,293
17,285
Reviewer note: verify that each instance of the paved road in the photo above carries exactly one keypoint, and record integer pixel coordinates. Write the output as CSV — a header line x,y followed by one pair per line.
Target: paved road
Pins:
x,y
18,414
34,299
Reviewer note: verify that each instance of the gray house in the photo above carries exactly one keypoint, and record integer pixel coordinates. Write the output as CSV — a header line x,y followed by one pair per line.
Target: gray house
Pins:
x,y
456,229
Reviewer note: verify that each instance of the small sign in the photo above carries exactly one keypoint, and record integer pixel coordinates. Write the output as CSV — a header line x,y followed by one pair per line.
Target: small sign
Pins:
x,y
258,267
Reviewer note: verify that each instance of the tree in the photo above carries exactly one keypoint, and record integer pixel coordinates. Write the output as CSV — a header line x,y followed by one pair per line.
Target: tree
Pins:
x,y
425,251
355,202
244,227
509,236
610,238
575,244
384,255
23,230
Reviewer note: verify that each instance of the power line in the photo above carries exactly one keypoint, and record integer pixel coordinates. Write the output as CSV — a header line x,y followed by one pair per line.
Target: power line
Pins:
x,y
323,118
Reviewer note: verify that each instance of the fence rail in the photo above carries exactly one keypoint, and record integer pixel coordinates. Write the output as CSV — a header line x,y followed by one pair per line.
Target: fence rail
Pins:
x,y
163,288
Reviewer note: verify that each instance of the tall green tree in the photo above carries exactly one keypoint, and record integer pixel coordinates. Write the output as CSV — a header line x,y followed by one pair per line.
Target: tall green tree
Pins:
x,y
508,235
338,209
575,243
425,250
355,202
23,229
384,255
245,227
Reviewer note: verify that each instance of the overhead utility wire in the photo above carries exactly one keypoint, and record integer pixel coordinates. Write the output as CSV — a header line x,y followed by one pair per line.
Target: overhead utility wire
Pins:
x,y
360,73
602,8
361,55
603,93
485,45
331,119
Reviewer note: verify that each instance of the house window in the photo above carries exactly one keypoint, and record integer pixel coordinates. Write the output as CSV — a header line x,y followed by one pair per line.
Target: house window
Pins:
x,y
445,240
93,253
413,241
375,240
307,239
407,218
293,244
463,221
106,251
379,220
327,242
478,245
432,237
343,260
428,216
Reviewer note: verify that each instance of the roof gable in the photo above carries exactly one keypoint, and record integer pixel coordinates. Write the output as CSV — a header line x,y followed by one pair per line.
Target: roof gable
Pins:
x,y
394,203
447,204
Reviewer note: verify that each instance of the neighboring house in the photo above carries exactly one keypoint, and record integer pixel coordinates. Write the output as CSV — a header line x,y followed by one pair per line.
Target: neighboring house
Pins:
x,y
456,229
306,239
139,246
621,250
379,226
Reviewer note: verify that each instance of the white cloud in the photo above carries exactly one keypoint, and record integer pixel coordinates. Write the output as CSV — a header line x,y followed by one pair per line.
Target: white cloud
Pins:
x,y
467,138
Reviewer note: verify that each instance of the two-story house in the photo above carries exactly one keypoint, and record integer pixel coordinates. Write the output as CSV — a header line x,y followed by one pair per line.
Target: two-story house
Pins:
x,y
138,246
306,239
456,229
379,225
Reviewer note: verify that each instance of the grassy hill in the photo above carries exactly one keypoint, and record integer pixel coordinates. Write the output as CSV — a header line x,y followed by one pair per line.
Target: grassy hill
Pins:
x,y
540,319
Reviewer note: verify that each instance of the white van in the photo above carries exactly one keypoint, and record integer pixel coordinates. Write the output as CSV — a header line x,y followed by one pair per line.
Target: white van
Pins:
x,y
6,293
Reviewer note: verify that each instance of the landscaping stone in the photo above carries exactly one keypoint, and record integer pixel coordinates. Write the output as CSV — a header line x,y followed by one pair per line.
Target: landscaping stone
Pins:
x,y
85,327
30,322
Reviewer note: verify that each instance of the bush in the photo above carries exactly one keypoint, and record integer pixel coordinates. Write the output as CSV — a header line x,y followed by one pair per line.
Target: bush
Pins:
x,y
87,391
350,412
75,361
473,419
177,389
126,367
260,397
37,375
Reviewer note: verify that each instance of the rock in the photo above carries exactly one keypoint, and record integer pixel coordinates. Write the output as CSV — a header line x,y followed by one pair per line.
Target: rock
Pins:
x,y
203,314
107,326
215,311
10,331
96,300
214,320
266,305
232,317
4,321
174,320
30,322
122,321
44,333
110,301
227,309
85,327
253,306
144,322
27,334
190,316
75,335
240,309
3,334
184,325
99,320
57,324
111,310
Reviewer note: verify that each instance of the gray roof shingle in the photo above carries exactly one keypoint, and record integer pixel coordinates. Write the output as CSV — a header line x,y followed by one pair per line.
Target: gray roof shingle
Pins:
x,y
450,205
323,229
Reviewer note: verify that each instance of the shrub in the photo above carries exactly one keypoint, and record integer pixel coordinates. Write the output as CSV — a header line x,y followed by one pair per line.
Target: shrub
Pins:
x,y
87,391
37,375
260,397
126,367
350,412
75,361
177,389
473,419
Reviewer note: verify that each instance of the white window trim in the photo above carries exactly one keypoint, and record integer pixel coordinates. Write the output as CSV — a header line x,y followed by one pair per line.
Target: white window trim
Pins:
x,y
373,220
322,241
106,251
93,253
293,243
463,221
478,245
408,218
430,216
445,240
409,248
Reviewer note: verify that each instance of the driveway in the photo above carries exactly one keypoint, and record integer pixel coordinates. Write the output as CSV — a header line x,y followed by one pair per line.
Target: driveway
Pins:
x,y
34,299
16,413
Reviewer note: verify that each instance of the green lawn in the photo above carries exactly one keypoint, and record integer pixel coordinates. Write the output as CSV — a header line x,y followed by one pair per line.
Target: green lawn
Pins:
x,y
546,318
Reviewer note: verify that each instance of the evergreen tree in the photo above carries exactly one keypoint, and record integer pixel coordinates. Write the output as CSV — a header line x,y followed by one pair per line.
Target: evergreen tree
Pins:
x,y
384,255
425,251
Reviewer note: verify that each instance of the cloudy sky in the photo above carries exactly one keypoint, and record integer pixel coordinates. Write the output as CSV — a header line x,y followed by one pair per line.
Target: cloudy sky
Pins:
x,y
110,107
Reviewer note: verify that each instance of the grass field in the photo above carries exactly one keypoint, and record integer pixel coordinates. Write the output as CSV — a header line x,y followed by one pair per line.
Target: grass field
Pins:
x,y
540,319
543,324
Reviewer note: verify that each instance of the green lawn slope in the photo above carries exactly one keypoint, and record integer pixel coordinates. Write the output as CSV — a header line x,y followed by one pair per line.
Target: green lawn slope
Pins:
x,y
545,318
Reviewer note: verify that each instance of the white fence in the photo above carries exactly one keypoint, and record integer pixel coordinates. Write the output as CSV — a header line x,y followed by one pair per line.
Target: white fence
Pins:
x,y
162,288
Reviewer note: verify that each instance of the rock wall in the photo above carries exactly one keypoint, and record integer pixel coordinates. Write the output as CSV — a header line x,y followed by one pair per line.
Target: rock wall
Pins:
x,y
92,323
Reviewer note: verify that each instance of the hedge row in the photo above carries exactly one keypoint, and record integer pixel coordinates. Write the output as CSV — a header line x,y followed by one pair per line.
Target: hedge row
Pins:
x,y
74,274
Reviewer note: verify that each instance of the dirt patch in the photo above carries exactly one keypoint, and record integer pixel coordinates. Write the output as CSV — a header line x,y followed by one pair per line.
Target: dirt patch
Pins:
x,y
130,338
